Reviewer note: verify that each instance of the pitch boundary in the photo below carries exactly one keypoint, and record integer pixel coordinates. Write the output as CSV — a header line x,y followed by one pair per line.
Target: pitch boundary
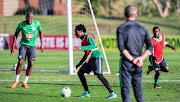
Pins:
x,y
93,80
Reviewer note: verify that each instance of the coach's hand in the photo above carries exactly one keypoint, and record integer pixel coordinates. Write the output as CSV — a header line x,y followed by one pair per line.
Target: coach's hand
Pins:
x,y
138,61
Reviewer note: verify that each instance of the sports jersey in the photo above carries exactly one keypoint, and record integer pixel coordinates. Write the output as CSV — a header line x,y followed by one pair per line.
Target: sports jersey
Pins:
x,y
158,47
88,45
29,32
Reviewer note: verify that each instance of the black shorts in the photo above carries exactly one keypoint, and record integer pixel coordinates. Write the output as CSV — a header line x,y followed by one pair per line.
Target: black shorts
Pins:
x,y
95,65
28,51
158,66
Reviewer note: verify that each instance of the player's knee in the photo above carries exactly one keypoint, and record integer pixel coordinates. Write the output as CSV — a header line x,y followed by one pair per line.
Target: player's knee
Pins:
x,y
100,76
158,73
20,62
80,73
30,63
167,69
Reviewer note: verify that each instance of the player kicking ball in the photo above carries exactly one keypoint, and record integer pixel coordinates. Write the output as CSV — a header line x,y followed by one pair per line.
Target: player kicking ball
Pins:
x,y
156,58
94,61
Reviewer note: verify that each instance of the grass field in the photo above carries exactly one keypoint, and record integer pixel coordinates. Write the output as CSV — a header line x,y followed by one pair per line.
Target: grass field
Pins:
x,y
46,86
57,25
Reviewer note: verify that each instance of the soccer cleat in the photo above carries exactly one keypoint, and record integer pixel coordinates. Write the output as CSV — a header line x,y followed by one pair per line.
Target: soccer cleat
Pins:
x,y
157,87
24,85
85,95
14,84
149,69
111,96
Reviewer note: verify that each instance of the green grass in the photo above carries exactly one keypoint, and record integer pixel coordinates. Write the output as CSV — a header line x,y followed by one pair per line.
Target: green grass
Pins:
x,y
57,25
46,86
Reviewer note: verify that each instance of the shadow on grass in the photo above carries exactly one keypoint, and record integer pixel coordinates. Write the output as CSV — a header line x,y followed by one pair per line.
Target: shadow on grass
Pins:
x,y
68,84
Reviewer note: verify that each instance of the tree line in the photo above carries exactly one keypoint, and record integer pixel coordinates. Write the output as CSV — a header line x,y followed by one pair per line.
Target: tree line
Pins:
x,y
114,8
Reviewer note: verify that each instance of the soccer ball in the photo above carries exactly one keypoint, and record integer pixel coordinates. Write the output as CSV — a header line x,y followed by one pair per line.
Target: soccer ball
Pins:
x,y
14,67
65,92
25,66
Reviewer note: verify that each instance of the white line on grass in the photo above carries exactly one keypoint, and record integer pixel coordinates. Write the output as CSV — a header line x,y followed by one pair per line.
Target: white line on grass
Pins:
x,y
98,80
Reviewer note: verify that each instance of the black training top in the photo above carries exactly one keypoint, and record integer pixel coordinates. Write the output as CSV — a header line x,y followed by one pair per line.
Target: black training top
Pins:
x,y
131,36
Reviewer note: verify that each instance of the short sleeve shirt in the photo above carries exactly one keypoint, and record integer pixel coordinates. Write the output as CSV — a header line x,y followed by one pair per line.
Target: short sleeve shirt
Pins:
x,y
29,32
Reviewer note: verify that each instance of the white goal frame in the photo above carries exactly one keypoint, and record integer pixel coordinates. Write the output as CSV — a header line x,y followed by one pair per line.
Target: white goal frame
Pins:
x,y
70,37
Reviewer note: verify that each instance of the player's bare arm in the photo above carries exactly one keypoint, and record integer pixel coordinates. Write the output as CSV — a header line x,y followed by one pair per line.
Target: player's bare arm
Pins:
x,y
14,42
173,48
77,48
41,37
139,60
128,55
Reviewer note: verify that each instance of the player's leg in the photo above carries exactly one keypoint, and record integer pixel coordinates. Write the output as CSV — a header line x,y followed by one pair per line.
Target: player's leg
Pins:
x,y
97,66
164,66
150,67
31,54
21,57
137,84
84,69
156,79
157,69
108,87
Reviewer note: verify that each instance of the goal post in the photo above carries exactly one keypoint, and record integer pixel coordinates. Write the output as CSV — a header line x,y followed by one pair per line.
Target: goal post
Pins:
x,y
70,44
58,19
70,34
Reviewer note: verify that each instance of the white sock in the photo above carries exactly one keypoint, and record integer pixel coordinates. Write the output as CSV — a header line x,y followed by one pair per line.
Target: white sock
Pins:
x,y
87,91
17,78
112,93
25,79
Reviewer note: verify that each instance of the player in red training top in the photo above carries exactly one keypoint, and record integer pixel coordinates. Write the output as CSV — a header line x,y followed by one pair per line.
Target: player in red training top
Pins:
x,y
91,61
156,58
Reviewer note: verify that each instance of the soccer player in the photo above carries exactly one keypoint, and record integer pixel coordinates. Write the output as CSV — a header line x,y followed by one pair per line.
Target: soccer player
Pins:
x,y
94,61
27,47
131,37
156,58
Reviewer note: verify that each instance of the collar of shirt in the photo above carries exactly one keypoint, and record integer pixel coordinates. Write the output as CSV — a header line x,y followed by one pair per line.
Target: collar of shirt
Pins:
x,y
82,37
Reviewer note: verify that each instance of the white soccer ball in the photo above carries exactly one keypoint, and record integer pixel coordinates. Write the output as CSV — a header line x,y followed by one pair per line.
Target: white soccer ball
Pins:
x,y
14,67
65,92
25,66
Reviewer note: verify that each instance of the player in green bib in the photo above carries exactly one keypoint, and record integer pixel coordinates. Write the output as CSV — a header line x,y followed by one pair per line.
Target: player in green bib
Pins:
x,y
27,46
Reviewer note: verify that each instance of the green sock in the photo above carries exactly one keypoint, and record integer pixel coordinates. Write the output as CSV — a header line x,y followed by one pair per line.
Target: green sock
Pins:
x,y
156,81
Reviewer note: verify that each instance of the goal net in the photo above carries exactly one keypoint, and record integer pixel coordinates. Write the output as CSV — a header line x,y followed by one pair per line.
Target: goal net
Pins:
x,y
52,16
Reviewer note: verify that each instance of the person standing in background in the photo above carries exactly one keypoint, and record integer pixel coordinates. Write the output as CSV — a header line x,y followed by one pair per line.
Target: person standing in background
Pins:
x,y
131,37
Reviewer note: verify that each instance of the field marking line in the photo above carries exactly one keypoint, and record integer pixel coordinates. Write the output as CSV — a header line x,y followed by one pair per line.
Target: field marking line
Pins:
x,y
94,80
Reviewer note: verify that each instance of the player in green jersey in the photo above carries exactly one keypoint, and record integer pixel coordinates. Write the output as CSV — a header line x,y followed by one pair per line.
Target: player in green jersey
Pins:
x,y
27,47
91,61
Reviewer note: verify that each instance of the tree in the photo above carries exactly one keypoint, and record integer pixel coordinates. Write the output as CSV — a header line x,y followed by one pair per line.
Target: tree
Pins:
x,y
27,4
164,12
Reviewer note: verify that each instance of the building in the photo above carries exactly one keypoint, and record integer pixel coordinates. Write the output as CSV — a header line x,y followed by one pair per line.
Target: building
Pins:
x,y
46,7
